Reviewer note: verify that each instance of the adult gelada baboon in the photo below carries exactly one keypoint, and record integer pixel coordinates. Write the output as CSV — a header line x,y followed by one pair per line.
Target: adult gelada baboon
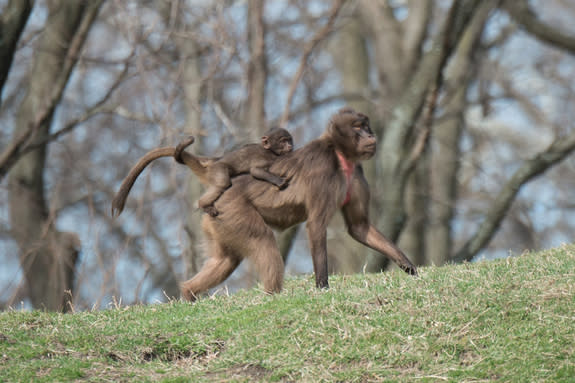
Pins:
x,y
325,175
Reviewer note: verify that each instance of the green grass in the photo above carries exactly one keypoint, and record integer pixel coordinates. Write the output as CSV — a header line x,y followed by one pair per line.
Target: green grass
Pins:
x,y
508,320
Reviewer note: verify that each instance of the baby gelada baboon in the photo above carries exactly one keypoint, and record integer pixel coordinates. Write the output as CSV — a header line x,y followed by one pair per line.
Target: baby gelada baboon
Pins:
x,y
216,172
254,159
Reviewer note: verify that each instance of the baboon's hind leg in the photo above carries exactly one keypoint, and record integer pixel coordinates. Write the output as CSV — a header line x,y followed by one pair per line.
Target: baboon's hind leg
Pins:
x,y
216,270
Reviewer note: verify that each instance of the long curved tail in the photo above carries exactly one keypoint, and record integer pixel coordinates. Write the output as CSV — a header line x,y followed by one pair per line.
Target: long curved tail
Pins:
x,y
119,200
197,164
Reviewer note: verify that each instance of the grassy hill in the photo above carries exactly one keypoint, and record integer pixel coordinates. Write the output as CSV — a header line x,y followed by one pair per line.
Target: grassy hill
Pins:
x,y
507,320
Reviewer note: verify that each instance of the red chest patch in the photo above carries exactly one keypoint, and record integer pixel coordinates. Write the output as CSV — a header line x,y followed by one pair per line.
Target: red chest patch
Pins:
x,y
347,167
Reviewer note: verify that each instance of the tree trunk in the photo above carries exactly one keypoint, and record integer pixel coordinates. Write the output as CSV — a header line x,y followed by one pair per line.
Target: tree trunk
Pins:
x,y
411,240
255,119
349,52
555,153
396,146
189,54
12,21
47,257
521,11
446,136
192,90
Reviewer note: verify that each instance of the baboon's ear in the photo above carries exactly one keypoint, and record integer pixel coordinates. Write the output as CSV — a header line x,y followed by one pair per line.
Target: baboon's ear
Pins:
x,y
266,142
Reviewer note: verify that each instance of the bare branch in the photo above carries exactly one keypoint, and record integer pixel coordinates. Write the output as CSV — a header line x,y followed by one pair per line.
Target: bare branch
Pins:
x,y
379,17
530,169
15,151
422,138
412,100
308,49
257,70
524,15
96,109
226,120
314,104
416,29
449,44
12,21
397,148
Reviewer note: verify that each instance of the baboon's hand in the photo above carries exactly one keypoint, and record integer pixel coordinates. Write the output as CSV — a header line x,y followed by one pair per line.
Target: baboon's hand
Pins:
x,y
211,211
284,184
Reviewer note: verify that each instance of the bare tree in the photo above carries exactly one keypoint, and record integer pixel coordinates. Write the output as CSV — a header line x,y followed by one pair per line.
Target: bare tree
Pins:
x,y
257,75
446,138
48,257
12,21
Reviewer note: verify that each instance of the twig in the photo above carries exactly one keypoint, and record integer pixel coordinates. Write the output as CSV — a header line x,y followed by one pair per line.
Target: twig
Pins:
x,y
524,15
309,47
556,152
15,151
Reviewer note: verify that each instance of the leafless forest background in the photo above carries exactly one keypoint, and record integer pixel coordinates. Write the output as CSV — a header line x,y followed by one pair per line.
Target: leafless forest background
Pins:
x,y
471,101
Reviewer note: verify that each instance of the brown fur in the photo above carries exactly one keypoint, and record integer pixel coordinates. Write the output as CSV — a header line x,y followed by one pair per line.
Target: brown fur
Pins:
x,y
318,188
119,200
254,159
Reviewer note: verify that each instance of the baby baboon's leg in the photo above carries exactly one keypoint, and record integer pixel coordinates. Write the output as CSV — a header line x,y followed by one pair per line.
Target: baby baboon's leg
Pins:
x,y
219,180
